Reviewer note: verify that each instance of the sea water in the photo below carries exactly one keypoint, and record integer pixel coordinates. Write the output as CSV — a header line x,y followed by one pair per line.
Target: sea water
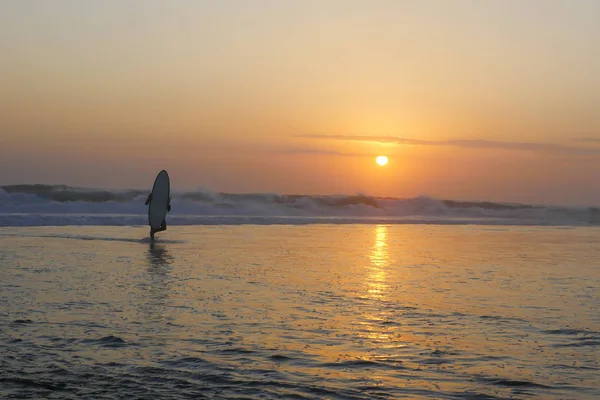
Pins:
x,y
60,205
308,311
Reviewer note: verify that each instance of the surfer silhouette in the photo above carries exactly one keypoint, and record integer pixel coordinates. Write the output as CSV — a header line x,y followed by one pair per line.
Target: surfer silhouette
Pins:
x,y
163,225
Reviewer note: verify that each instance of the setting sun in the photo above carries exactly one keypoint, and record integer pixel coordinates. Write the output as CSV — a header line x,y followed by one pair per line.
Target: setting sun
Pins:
x,y
381,160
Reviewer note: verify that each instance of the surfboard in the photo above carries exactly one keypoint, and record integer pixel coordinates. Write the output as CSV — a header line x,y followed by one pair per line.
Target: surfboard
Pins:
x,y
160,199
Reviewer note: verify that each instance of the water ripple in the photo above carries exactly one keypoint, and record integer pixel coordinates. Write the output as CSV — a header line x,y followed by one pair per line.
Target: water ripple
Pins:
x,y
340,312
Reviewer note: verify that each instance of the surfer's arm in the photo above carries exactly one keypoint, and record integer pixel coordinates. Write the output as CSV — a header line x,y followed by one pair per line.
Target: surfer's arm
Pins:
x,y
169,205
149,199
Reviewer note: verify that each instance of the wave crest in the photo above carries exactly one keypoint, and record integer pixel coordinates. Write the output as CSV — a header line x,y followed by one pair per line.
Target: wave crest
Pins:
x,y
26,204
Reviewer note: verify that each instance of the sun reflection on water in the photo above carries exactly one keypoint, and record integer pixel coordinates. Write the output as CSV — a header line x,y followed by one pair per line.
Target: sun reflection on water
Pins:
x,y
379,263
377,323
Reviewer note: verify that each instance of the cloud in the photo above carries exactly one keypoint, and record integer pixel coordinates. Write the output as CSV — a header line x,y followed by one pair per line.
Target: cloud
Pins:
x,y
465,144
309,151
294,150
588,140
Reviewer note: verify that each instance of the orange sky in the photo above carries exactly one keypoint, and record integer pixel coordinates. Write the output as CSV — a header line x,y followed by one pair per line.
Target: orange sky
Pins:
x,y
470,100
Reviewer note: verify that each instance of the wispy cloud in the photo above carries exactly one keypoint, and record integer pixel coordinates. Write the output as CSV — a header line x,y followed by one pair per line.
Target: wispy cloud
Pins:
x,y
465,143
588,140
300,150
293,150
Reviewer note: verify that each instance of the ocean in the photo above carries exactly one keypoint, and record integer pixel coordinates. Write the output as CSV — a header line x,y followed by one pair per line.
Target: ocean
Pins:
x,y
61,205
295,297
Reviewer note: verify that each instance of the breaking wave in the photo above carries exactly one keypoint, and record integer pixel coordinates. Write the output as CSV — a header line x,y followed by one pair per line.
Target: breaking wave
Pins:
x,y
35,205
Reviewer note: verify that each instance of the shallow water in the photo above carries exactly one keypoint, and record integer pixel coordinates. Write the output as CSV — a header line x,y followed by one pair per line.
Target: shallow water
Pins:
x,y
311,311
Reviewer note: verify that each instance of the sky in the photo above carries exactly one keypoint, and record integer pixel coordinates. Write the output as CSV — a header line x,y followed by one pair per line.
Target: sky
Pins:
x,y
471,100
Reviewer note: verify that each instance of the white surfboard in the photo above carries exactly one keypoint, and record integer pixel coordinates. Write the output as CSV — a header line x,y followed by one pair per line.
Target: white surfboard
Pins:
x,y
160,199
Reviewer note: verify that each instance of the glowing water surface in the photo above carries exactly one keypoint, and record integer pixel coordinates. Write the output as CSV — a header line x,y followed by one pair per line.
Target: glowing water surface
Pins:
x,y
311,311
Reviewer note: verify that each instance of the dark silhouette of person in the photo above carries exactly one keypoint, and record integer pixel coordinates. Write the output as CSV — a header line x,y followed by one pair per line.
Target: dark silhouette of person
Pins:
x,y
163,225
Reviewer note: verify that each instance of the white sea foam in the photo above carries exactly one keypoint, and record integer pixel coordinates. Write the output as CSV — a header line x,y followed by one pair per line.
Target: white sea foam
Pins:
x,y
42,205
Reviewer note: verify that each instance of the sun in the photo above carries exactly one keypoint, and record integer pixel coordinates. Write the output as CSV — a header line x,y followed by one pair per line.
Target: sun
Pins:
x,y
381,160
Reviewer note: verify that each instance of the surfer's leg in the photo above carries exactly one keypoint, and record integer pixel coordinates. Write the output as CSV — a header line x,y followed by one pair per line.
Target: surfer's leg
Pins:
x,y
163,226
152,232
